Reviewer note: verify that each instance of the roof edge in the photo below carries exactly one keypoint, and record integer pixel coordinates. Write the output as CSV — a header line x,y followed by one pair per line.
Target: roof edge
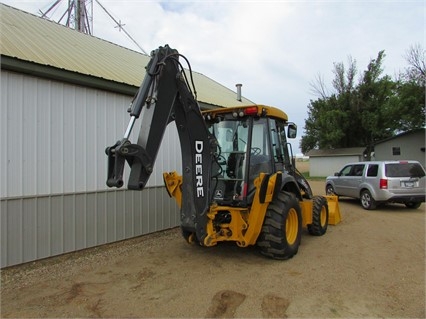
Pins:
x,y
53,73
412,131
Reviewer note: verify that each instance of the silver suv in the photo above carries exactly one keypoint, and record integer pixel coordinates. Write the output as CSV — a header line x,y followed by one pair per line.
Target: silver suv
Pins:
x,y
380,182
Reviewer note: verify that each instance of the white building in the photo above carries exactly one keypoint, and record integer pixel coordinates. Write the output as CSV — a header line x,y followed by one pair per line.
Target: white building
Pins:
x,y
405,146
326,162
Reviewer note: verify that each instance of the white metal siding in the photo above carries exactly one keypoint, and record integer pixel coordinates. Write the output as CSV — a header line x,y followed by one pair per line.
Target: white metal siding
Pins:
x,y
54,137
410,146
53,171
322,166
38,227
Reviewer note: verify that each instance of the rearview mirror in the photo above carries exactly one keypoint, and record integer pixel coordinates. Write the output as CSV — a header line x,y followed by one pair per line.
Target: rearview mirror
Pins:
x,y
291,130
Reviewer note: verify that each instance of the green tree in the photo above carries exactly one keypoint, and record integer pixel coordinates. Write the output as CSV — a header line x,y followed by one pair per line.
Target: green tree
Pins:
x,y
372,103
329,117
408,108
364,113
322,124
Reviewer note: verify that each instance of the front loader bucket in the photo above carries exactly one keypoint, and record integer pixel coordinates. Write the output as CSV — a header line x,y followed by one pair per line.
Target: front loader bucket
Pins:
x,y
334,216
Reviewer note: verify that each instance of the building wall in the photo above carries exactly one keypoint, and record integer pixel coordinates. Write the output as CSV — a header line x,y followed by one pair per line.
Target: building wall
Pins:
x,y
53,171
409,145
321,166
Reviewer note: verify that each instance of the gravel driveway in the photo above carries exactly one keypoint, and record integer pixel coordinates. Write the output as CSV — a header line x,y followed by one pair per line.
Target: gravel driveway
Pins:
x,y
370,265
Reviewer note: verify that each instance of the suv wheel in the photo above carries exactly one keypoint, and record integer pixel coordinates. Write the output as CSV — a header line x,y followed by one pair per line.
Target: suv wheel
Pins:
x,y
412,205
367,201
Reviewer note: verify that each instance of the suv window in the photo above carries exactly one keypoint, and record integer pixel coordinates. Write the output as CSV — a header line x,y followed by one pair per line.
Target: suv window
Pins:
x,y
404,170
346,170
352,170
373,169
357,170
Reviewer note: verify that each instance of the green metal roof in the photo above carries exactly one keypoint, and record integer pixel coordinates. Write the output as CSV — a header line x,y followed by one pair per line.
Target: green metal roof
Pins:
x,y
26,37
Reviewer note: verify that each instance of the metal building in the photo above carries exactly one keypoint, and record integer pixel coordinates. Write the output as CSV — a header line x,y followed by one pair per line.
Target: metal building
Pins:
x,y
404,146
326,162
61,92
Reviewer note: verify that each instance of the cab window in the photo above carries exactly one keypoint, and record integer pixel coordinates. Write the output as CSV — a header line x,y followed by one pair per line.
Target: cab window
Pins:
x,y
259,140
279,141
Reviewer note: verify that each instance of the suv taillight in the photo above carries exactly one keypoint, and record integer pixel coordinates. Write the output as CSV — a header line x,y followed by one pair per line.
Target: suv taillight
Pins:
x,y
383,183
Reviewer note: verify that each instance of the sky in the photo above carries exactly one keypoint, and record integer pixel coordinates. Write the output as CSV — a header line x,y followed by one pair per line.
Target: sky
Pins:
x,y
275,49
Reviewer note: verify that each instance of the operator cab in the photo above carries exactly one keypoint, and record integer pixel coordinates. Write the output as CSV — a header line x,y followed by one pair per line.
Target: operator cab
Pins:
x,y
248,144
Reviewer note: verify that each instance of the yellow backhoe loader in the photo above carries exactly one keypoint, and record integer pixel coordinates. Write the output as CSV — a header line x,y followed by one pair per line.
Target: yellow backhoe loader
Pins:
x,y
239,181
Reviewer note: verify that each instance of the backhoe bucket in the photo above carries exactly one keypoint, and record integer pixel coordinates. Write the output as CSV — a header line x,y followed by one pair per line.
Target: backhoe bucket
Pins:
x,y
334,216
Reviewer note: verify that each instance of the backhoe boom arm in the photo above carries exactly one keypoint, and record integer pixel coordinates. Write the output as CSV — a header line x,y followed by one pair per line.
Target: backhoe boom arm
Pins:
x,y
164,96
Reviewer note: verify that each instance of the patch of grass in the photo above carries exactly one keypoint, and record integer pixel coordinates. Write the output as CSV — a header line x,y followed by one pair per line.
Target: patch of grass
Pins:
x,y
313,178
317,178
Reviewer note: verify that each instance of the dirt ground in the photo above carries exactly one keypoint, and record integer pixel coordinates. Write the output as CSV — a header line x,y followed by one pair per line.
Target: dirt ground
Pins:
x,y
370,265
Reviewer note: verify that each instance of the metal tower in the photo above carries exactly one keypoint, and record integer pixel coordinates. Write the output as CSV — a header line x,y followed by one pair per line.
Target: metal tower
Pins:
x,y
78,14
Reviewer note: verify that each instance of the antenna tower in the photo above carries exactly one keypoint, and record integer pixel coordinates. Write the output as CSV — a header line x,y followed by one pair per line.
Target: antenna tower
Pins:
x,y
78,15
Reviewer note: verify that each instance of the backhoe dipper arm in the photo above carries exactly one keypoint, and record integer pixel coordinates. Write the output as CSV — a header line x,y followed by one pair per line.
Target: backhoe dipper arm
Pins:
x,y
164,96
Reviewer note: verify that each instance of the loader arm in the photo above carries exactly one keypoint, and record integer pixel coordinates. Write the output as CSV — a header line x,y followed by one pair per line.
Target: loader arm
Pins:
x,y
165,96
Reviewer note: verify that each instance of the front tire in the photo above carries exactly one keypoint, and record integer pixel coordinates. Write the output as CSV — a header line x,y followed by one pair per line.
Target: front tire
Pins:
x,y
319,216
282,228
367,201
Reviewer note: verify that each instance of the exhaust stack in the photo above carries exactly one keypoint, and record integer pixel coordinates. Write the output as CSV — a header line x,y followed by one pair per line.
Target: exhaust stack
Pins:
x,y
238,91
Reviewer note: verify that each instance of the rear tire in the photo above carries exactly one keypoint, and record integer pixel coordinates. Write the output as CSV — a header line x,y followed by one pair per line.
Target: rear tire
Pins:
x,y
367,201
282,228
319,216
412,205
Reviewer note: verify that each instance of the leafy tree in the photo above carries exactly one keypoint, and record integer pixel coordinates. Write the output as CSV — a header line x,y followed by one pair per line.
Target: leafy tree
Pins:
x,y
408,110
364,113
373,93
329,121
